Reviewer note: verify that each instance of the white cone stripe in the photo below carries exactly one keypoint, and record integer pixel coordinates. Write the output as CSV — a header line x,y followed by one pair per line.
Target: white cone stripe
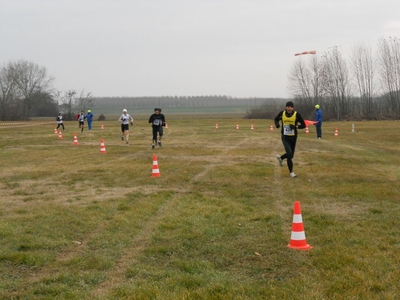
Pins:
x,y
155,171
155,163
298,236
297,219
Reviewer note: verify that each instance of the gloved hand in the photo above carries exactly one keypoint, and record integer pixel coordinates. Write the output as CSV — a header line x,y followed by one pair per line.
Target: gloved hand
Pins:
x,y
132,123
292,126
277,125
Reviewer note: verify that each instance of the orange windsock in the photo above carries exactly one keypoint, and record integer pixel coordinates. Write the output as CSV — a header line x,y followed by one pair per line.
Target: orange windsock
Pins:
x,y
306,52
298,236
308,122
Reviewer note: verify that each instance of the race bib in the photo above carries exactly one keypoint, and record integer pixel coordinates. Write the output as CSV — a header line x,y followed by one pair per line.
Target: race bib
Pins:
x,y
287,130
156,122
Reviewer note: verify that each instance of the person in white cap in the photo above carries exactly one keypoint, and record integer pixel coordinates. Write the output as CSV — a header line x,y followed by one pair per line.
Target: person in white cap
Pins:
x,y
124,119
291,121
318,118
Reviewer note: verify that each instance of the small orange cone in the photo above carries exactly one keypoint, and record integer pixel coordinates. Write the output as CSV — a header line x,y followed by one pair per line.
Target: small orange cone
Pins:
x,y
298,237
60,135
102,126
55,130
155,171
102,147
216,125
252,127
166,125
307,132
75,139
237,126
271,128
336,132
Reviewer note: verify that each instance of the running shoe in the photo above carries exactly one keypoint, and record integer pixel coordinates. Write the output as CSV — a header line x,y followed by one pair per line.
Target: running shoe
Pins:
x,y
122,137
152,146
159,143
278,157
293,175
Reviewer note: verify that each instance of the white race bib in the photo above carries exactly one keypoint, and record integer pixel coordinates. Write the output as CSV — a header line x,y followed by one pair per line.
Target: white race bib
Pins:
x,y
287,130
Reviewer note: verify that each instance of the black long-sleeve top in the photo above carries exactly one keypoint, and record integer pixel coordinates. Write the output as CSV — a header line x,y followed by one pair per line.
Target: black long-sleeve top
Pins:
x,y
299,119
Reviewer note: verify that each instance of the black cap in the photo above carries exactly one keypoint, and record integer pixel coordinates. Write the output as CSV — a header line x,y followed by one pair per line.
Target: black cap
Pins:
x,y
289,103
159,109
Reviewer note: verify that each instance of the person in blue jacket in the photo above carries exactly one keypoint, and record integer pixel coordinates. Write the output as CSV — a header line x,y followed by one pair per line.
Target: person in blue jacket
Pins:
x,y
318,119
89,119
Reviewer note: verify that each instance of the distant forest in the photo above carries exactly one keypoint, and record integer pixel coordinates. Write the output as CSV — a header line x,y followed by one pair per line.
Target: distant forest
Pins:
x,y
183,104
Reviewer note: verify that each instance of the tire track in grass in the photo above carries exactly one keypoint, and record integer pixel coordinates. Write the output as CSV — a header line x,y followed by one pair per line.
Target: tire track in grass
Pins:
x,y
116,276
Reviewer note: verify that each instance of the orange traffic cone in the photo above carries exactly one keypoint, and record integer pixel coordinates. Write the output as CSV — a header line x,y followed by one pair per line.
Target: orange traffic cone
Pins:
x,y
298,237
336,132
271,128
102,126
252,127
307,132
166,125
75,139
102,147
237,126
60,135
55,130
156,171
216,125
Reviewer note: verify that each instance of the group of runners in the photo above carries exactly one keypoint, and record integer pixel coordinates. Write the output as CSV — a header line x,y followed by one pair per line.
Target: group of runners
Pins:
x,y
157,121
289,119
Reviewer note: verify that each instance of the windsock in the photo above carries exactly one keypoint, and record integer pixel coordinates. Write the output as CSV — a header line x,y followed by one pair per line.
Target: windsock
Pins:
x,y
308,122
306,52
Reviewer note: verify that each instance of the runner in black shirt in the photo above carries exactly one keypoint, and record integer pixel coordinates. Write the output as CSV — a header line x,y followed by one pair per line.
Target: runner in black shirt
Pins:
x,y
157,121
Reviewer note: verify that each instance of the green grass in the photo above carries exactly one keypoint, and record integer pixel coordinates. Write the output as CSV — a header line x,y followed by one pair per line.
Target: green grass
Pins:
x,y
78,224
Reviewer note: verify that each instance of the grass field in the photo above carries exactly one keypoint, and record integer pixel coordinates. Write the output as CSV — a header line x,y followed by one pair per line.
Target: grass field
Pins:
x,y
79,224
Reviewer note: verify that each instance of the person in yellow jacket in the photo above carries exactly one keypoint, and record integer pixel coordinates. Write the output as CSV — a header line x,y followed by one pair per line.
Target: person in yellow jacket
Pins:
x,y
291,120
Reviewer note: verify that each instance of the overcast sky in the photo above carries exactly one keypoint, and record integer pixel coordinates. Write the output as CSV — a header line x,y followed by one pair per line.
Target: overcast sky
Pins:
x,y
238,48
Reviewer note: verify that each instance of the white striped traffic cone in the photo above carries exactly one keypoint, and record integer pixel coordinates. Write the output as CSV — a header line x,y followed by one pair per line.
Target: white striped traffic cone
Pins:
x,y
298,236
102,147
155,171
75,139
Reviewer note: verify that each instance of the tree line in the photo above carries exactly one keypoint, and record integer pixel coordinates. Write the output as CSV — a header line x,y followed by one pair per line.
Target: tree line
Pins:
x,y
26,91
365,86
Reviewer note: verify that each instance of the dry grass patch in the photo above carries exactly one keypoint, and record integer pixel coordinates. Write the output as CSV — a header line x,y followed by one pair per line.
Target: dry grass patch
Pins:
x,y
77,224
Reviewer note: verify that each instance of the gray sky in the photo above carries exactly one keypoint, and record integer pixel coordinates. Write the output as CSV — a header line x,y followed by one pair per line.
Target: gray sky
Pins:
x,y
185,47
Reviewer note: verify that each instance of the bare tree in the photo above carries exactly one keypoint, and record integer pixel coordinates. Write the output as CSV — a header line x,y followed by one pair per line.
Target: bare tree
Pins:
x,y
335,82
305,82
30,80
69,104
362,64
7,93
389,61
85,101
